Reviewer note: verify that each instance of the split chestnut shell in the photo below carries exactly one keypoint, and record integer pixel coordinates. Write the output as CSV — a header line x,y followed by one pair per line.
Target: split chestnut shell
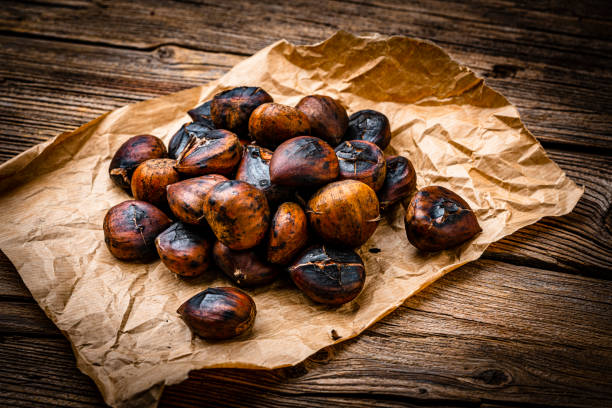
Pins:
x,y
363,161
400,181
150,180
328,119
183,250
186,198
369,125
183,136
288,233
245,268
232,109
216,152
131,154
272,123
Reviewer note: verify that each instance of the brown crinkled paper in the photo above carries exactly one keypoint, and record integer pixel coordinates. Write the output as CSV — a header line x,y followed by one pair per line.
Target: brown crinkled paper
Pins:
x,y
121,318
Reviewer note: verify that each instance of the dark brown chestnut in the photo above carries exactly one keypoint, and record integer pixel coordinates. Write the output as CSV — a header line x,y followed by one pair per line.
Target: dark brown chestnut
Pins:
x,y
183,250
238,214
288,233
219,313
439,219
328,275
344,213
328,119
150,180
272,123
131,154
369,125
303,162
216,152
186,197
363,161
232,109
400,181
245,268
130,229
181,139
202,114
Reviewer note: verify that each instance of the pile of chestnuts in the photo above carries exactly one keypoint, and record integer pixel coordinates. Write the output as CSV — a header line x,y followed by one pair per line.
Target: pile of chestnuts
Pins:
x,y
261,189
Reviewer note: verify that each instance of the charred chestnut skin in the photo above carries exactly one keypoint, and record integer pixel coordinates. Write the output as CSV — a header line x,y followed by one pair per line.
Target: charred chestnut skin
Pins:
x,y
363,161
369,125
273,123
288,233
400,181
219,313
439,219
328,275
201,114
216,152
130,229
188,131
150,180
344,213
131,154
232,109
245,268
238,214
183,250
328,119
303,162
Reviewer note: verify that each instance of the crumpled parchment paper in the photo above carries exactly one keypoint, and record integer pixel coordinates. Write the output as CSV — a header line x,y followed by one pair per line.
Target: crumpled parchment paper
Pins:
x,y
121,318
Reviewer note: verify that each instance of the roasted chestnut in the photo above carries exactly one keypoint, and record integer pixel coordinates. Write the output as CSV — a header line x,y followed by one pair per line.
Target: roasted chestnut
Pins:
x,y
369,125
328,119
216,152
238,214
328,275
150,180
245,268
130,229
344,213
400,181
202,114
363,161
232,109
272,123
439,219
219,313
254,168
131,154
183,250
186,197
181,139
288,233
303,162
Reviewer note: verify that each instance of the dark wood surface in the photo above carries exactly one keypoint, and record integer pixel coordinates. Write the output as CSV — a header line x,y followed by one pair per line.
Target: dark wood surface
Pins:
x,y
528,325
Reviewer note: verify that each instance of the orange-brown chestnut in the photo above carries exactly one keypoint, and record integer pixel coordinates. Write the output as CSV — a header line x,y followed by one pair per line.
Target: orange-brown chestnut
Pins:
x,y
344,213
232,109
439,219
130,229
219,313
363,161
400,181
183,250
328,119
150,180
288,233
272,123
369,125
131,154
238,214
303,162
186,198
216,152
183,136
245,268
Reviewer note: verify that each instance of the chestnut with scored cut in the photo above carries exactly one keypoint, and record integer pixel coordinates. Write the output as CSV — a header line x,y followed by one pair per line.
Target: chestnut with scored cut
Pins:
x,y
219,313
245,268
371,126
273,123
181,138
238,214
439,219
288,233
303,162
183,250
186,197
344,213
131,154
328,119
363,161
150,180
400,181
232,109
216,152
201,114
130,229
328,275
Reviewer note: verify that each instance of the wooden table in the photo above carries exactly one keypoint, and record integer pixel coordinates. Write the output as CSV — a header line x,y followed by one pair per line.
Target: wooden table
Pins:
x,y
530,324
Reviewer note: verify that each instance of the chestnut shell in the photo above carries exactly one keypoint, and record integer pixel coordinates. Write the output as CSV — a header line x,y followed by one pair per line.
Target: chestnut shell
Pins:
x,y
328,275
245,268
186,197
183,250
328,119
150,180
131,154
288,233
439,219
369,125
400,181
219,313
363,161
181,138
273,123
216,152
232,109
202,114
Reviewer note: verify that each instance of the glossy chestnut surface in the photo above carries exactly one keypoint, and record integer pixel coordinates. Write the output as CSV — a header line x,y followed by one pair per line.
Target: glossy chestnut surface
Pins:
x,y
181,138
328,119
246,268
201,114
232,109
328,275
288,233
131,154
400,181
273,123
439,219
186,198
150,180
363,161
183,250
216,152
369,125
